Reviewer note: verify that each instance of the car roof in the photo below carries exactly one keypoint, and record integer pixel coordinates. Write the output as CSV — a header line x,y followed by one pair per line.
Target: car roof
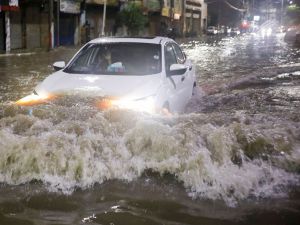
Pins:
x,y
150,40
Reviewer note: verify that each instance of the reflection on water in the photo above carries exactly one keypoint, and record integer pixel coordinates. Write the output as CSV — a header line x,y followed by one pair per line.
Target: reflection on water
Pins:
x,y
232,158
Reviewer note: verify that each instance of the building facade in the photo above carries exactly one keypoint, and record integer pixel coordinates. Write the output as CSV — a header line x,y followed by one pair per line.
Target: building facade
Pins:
x,y
29,24
67,22
9,25
24,24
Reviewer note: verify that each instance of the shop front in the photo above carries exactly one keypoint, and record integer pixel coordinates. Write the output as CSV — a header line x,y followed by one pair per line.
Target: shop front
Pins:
x,y
94,17
32,21
176,16
153,8
10,25
193,17
171,17
67,23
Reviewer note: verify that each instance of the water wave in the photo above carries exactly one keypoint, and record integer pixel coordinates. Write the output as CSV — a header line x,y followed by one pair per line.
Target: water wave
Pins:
x,y
215,156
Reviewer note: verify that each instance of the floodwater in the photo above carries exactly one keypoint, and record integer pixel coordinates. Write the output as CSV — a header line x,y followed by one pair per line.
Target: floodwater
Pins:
x,y
232,158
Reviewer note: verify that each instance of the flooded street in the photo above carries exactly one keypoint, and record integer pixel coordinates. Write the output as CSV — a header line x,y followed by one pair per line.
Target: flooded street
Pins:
x,y
232,158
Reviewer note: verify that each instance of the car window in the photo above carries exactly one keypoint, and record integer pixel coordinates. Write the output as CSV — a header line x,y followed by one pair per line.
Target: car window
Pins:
x,y
170,57
85,55
117,59
179,54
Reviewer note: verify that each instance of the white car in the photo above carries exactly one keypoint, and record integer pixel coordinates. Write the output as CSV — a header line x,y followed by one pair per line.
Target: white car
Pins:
x,y
144,74
212,30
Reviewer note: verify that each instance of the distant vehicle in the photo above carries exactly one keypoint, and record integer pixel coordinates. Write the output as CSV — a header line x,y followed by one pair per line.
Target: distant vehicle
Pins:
x,y
144,74
235,31
222,30
228,30
211,30
282,29
266,31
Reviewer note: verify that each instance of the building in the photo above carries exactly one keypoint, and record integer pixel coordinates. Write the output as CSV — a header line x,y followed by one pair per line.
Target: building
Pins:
x,y
2,32
157,22
10,25
24,24
66,22
29,24
93,17
187,17
195,17
31,27
162,15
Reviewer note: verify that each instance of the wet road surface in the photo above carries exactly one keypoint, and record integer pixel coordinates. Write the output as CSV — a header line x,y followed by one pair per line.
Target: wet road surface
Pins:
x,y
232,158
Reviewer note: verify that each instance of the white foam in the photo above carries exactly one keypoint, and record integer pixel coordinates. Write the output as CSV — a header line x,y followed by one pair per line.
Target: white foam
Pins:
x,y
80,152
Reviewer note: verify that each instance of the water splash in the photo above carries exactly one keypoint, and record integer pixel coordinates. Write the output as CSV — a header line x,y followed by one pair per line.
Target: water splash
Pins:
x,y
214,157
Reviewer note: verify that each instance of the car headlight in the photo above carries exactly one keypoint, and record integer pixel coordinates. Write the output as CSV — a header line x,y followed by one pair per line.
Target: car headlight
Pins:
x,y
266,31
33,99
145,104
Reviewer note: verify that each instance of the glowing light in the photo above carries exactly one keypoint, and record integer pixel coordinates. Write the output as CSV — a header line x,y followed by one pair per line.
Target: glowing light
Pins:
x,y
141,105
256,18
176,16
104,104
266,32
33,99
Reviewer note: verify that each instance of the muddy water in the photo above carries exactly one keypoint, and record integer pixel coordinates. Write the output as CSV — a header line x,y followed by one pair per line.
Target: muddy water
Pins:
x,y
232,158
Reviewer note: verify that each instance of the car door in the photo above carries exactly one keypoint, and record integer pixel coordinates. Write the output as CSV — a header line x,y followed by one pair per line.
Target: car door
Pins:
x,y
187,80
175,83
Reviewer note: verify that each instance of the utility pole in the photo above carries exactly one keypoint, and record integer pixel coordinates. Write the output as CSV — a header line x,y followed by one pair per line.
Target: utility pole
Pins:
x,y
104,18
7,30
51,25
57,22
183,18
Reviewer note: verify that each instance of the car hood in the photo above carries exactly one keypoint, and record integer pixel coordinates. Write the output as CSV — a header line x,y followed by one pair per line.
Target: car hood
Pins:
x,y
61,83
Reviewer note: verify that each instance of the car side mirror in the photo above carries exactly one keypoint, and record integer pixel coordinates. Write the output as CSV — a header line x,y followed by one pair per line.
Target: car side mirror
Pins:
x,y
177,69
59,65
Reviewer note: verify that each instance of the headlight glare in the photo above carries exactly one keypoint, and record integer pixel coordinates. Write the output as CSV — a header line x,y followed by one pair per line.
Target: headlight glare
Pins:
x,y
142,104
33,99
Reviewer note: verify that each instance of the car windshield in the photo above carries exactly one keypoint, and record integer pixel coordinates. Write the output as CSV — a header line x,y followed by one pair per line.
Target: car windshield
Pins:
x,y
117,59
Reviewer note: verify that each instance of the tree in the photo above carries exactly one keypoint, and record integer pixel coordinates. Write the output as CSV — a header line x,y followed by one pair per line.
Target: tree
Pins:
x,y
132,17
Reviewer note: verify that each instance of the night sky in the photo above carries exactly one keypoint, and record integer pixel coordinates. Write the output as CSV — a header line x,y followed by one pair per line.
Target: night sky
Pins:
x,y
221,14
